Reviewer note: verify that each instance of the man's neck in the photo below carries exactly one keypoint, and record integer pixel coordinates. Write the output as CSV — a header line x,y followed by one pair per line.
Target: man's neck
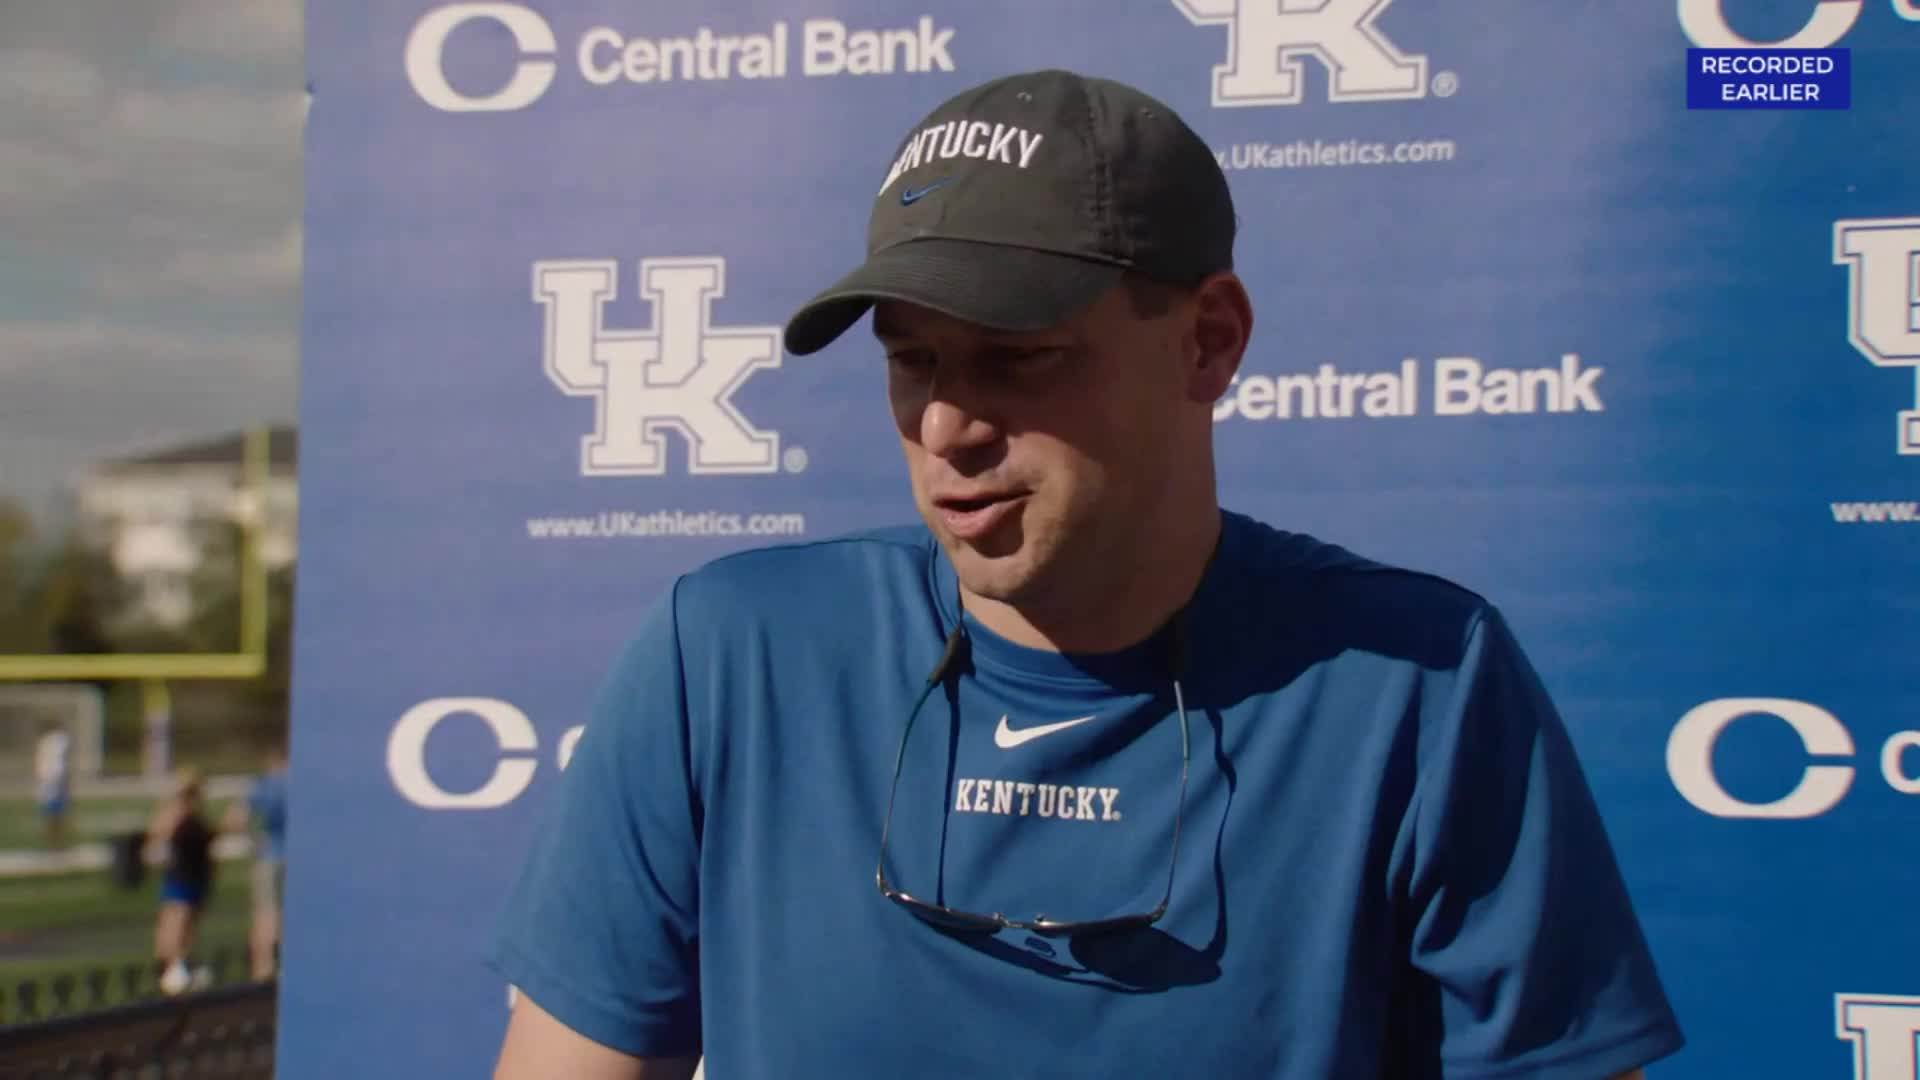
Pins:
x,y
1121,614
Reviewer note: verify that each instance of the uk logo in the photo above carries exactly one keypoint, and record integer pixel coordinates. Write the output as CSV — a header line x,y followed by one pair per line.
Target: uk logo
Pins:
x,y
1882,256
1270,41
677,375
1883,1029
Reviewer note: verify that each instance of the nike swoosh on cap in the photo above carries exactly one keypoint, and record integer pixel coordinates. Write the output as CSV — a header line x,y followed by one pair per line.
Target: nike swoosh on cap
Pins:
x,y
909,196
1006,738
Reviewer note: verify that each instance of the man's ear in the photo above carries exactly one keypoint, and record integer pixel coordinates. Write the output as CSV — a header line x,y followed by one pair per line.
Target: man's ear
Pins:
x,y
1222,327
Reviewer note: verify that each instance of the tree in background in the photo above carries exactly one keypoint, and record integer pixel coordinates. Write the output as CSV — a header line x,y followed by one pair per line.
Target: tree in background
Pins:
x,y
259,706
67,597
16,567
54,598
75,593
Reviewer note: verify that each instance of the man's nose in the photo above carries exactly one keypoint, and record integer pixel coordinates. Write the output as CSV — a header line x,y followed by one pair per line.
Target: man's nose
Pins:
x,y
955,420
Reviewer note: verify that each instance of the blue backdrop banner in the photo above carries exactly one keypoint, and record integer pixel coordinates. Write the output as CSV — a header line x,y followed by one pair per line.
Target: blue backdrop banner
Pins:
x,y
1647,376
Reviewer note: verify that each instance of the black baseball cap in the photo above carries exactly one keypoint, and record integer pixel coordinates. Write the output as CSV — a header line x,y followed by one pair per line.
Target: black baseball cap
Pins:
x,y
1017,203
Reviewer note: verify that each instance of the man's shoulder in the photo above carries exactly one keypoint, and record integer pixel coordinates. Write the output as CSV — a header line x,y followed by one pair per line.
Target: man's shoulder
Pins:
x,y
1302,585
1291,561
844,557
799,577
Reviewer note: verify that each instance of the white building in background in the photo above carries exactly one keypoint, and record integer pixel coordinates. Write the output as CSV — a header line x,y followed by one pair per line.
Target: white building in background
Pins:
x,y
152,513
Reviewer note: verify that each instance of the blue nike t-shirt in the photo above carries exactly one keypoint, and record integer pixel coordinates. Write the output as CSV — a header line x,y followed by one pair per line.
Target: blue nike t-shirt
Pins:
x,y
1389,863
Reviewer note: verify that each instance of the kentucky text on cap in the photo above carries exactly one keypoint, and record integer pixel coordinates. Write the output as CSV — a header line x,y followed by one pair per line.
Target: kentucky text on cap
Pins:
x,y
1020,201
964,138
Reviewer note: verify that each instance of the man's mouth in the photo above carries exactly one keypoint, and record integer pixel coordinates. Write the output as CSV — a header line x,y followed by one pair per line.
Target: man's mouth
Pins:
x,y
971,516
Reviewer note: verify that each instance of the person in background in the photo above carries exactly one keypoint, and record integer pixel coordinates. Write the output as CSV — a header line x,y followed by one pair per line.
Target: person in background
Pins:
x,y
180,825
52,780
265,812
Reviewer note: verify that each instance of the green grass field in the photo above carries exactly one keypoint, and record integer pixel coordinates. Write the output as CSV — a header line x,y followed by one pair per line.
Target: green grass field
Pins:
x,y
88,820
73,922
95,817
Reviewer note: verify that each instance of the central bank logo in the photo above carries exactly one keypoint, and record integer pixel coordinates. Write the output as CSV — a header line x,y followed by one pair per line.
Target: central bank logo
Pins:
x,y
678,374
1882,256
427,46
605,56
1270,41
515,753
1820,787
1705,24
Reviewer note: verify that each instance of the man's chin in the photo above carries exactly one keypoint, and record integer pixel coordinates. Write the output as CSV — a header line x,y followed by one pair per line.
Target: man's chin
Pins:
x,y
983,571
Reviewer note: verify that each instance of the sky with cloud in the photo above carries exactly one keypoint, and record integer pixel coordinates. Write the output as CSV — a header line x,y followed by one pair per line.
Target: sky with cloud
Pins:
x,y
150,200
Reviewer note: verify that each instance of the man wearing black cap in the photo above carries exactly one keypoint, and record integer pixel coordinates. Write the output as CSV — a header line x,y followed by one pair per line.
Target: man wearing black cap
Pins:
x,y
1084,775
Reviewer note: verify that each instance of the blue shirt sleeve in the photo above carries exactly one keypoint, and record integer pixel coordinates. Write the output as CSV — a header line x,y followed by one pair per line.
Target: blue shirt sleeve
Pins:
x,y
1526,956
600,928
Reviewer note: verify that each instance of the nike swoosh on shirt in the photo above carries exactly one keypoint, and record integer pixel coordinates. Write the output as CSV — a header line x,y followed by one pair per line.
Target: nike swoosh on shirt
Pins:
x,y
1006,738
